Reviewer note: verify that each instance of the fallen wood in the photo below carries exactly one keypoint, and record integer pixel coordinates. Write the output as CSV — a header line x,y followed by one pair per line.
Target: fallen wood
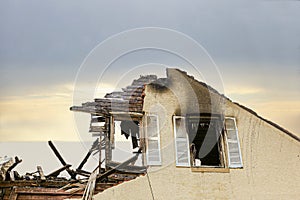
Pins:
x,y
9,172
84,160
83,172
71,172
17,161
129,168
41,173
57,172
121,165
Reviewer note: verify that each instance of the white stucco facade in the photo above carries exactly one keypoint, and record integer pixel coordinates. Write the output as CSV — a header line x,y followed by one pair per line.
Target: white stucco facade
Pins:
x,y
271,157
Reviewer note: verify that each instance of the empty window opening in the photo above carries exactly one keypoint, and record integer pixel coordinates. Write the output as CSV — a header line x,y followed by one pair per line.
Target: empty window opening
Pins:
x,y
131,128
126,141
205,142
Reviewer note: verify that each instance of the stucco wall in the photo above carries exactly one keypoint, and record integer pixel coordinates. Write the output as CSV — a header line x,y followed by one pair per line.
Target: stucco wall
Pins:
x,y
270,158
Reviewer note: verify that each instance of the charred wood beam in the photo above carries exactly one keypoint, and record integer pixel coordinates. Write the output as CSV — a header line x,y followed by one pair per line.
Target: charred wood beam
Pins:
x,y
17,161
57,172
56,153
84,160
83,172
70,172
8,174
33,183
121,165
129,168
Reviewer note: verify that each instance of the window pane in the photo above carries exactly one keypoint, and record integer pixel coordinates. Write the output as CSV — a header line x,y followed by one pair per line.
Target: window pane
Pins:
x,y
181,142
229,123
231,135
182,152
180,128
153,148
152,129
234,154
153,152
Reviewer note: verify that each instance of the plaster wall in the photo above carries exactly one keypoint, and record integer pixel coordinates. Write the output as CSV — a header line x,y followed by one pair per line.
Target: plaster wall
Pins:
x,y
271,158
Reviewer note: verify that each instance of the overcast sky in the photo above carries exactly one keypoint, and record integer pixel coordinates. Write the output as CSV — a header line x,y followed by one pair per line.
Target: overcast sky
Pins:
x,y
256,46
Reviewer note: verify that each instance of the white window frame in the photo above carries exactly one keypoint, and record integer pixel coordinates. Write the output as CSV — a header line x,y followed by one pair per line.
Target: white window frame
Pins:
x,y
149,162
183,140
233,165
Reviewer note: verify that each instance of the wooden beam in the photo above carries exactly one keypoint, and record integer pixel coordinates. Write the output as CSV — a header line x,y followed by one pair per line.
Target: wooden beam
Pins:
x,y
40,170
121,165
70,172
57,172
83,172
84,160
12,175
33,183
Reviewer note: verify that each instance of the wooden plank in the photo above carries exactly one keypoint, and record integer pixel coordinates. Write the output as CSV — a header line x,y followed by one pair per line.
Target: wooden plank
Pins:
x,y
41,173
84,160
43,193
57,172
83,172
12,175
70,172
13,195
129,168
111,171
97,129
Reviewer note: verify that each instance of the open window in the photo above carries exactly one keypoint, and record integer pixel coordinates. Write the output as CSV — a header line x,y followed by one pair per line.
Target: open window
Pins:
x,y
153,153
233,144
198,141
181,142
205,140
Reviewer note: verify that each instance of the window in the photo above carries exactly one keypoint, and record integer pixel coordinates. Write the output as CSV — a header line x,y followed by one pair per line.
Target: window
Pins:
x,y
233,145
198,141
204,138
181,142
153,140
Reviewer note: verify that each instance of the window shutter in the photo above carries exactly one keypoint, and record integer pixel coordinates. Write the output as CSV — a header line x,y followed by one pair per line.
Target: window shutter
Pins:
x,y
233,145
181,142
153,140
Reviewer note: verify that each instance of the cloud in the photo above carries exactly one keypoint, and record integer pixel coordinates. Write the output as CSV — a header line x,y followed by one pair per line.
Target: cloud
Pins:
x,y
243,90
37,117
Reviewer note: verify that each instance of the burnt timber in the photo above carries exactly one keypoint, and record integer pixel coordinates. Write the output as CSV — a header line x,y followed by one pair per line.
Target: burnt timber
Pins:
x,y
124,105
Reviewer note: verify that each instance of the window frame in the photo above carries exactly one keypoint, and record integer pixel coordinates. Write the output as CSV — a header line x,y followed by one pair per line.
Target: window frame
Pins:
x,y
231,165
178,164
203,168
149,162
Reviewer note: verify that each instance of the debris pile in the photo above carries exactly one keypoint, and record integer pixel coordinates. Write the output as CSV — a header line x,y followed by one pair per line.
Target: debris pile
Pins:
x,y
81,184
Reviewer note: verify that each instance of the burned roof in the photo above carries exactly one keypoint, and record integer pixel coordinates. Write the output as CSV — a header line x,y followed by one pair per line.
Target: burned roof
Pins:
x,y
131,99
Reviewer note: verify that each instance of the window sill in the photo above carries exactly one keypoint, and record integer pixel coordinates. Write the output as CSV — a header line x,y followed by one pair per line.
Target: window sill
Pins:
x,y
210,169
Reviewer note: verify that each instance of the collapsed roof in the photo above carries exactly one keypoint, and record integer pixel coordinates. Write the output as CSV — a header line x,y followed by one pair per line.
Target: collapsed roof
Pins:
x,y
131,99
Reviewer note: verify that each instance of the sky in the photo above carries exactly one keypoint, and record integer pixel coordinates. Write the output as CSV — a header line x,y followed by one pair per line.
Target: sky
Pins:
x,y
255,45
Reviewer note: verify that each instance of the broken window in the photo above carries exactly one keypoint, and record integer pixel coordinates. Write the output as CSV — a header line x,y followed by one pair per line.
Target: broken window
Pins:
x,y
153,140
204,138
234,153
131,128
198,141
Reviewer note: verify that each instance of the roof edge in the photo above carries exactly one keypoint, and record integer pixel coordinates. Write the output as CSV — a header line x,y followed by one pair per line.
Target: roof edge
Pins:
x,y
294,136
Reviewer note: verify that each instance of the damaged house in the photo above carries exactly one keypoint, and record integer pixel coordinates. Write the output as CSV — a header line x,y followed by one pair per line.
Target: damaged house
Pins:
x,y
192,143
195,143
